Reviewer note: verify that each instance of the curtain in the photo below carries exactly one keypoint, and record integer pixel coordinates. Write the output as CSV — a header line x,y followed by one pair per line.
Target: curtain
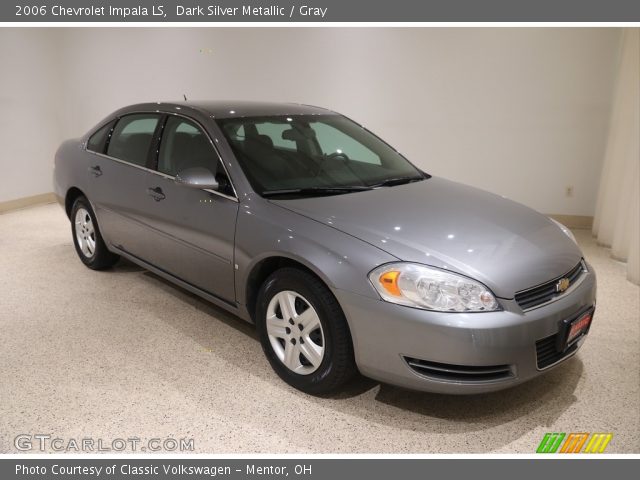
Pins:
x,y
616,222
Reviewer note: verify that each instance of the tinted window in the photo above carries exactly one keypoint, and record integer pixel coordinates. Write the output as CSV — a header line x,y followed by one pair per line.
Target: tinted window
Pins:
x,y
312,152
274,131
132,137
184,145
333,140
96,141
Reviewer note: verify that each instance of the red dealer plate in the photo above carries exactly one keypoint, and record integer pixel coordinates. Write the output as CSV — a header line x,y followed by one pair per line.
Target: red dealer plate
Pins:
x,y
579,327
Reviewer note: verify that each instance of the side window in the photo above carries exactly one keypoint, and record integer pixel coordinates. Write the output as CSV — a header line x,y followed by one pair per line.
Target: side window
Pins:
x,y
132,136
184,145
332,140
97,140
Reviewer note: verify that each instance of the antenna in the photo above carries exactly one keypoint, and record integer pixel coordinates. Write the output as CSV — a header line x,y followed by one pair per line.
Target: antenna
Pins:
x,y
185,97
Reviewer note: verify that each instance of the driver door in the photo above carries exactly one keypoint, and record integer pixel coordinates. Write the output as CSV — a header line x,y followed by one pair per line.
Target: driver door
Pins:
x,y
193,229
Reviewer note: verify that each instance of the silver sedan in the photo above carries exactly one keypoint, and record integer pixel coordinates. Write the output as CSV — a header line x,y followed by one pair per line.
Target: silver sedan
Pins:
x,y
345,255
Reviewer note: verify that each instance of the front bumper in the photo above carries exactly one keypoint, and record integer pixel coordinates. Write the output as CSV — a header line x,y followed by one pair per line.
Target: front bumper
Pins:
x,y
463,353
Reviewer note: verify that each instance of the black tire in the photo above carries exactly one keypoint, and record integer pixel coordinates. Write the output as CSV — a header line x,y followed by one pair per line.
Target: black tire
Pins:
x,y
99,257
338,364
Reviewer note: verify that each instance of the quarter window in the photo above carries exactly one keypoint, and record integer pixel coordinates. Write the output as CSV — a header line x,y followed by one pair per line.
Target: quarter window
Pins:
x,y
97,140
131,138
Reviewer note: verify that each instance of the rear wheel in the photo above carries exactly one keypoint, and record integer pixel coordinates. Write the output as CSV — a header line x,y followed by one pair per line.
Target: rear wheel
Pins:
x,y
87,239
303,332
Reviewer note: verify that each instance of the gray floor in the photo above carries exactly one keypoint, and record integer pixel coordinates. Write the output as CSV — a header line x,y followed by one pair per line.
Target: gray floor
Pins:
x,y
123,354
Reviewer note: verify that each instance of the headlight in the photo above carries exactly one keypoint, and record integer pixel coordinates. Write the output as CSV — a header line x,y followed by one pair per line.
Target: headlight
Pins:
x,y
432,289
566,230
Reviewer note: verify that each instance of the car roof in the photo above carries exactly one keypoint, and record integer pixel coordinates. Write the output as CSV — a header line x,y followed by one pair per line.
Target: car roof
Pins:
x,y
234,108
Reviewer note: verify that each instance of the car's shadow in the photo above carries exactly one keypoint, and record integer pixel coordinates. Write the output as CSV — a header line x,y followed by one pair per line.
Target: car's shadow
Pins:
x,y
512,412
538,402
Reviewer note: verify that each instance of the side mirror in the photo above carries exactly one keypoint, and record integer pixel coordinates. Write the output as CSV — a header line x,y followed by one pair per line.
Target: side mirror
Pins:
x,y
197,177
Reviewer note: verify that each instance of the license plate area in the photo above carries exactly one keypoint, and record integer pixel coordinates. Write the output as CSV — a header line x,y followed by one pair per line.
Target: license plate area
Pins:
x,y
574,328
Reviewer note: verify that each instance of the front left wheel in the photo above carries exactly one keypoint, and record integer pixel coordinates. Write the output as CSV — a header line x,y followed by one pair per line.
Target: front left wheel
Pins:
x,y
304,333
87,239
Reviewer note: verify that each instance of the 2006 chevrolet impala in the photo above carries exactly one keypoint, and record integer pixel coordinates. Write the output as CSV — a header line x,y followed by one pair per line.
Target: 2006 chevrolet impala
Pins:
x,y
345,255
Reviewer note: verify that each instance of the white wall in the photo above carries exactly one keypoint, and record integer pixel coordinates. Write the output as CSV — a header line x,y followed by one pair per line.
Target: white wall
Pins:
x,y
617,219
29,110
521,112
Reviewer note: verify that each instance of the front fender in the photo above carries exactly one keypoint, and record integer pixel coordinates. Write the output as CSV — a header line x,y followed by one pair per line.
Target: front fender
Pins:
x,y
266,230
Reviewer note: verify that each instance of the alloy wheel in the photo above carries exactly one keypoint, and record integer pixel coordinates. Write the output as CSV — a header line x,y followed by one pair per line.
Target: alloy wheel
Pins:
x,y
295,332
85,232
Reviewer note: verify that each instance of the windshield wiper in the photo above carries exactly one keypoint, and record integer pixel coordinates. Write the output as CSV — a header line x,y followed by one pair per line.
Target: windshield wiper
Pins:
x,y
390,182
315,190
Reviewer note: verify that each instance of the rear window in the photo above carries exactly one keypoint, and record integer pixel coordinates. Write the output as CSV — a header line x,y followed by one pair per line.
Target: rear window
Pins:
x,y
131,138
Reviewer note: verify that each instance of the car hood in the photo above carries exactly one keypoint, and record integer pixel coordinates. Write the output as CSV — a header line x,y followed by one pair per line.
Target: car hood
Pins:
x,y
503,244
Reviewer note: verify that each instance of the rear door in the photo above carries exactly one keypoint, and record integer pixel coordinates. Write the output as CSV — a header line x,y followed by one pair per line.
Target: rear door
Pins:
x,y
118,171
193,229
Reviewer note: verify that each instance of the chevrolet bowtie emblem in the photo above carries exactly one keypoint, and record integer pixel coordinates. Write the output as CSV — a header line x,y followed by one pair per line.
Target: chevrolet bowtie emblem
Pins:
x,y
562,285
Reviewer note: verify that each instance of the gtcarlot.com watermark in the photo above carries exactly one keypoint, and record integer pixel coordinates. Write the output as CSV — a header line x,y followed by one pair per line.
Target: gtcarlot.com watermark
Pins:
x,y
49,443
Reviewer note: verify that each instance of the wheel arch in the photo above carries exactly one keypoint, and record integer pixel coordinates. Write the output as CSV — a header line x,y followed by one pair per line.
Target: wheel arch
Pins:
x,y
69,199
264,267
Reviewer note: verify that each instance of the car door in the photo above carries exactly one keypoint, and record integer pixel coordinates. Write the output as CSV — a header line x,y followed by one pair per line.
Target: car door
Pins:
x,y
193,228
118,171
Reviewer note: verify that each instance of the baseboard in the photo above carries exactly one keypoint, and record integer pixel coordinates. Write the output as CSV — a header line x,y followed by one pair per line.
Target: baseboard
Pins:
x,y
24,202
574,221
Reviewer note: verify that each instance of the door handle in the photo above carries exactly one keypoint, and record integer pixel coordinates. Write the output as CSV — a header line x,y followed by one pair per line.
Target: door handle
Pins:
x,y
156,193
95,171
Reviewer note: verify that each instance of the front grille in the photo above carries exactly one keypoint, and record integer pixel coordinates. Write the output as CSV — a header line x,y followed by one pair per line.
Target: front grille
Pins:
x,y
536,296
459,373
547,354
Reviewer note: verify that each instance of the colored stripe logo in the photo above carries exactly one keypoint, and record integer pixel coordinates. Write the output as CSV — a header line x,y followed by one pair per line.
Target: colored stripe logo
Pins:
x,y
598,442
574,442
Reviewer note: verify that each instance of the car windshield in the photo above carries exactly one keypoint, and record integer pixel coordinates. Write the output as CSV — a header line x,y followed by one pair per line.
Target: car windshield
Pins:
x,y
314,155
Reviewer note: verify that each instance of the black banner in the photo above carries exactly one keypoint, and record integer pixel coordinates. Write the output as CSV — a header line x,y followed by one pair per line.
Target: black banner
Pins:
x,y
320,11
314,468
